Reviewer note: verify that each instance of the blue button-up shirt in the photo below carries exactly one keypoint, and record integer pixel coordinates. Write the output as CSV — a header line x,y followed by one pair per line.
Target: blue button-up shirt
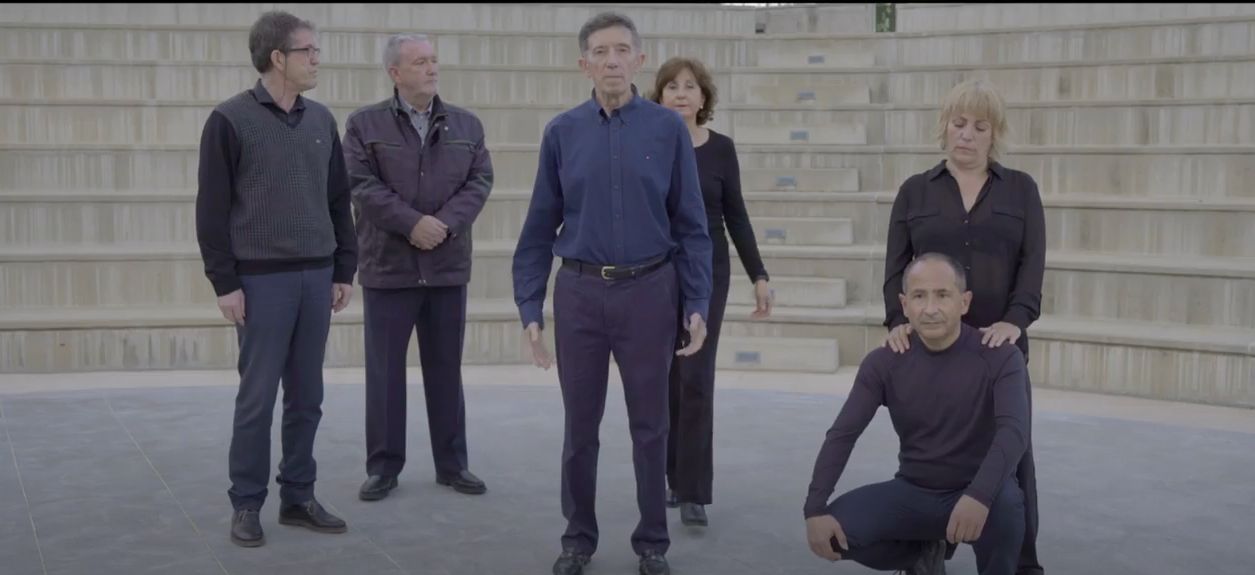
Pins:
x,y
625,190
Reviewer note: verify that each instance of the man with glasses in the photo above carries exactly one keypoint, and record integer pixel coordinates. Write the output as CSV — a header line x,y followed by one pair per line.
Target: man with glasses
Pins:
x,y
274,224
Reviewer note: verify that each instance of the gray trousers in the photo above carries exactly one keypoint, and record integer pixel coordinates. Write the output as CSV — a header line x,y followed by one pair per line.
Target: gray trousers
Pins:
x,y
284,338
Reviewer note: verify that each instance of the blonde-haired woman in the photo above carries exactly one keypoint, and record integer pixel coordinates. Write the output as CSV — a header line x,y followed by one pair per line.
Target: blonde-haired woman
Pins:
x,y
684,85
989,218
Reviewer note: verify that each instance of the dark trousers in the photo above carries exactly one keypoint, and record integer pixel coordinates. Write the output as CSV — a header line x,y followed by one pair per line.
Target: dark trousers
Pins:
x,y
887,524
635,320
392,315
284,338
1026,474
690,445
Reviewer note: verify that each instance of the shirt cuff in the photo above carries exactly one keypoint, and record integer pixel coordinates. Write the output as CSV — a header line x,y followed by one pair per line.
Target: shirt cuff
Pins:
x,y
1018,317
226,284
985,499
696,306
532,311
343,275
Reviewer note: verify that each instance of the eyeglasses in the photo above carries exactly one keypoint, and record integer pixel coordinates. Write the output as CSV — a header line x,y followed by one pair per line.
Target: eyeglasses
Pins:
x,y
309,50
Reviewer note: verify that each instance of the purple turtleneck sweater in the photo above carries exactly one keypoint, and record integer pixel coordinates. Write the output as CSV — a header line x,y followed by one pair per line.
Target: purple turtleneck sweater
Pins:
x,y
961,415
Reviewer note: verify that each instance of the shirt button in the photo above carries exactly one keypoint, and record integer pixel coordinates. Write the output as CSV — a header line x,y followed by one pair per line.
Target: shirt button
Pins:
x,y
965,221
967,243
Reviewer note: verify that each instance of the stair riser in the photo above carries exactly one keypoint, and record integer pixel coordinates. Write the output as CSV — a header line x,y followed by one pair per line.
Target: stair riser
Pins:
x,y
1145,372
540,18
1169,299
23,223
944,17
1213,175
216,347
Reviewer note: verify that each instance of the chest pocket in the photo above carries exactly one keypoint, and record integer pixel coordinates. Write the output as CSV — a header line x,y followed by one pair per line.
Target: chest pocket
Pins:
x,y
1007,225
450,160
398,165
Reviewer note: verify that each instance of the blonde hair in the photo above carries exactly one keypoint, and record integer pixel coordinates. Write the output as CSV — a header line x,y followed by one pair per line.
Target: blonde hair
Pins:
x,y
981,99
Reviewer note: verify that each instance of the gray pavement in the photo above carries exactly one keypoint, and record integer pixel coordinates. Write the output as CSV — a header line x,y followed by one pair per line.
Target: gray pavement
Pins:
x,y
133,481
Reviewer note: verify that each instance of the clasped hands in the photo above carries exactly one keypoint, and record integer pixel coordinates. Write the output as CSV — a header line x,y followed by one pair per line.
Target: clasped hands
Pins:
x,y
428,233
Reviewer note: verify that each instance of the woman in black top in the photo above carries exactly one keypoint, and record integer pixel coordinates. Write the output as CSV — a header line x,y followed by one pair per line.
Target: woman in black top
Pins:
x,y
990,219
685,86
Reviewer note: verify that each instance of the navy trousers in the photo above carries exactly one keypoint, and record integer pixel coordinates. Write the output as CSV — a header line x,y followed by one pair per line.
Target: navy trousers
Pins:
x,y
284,338
887,524
635,320
392,315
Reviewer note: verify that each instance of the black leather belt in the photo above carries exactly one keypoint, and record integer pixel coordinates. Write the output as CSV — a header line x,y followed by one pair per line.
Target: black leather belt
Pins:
x,y
614,272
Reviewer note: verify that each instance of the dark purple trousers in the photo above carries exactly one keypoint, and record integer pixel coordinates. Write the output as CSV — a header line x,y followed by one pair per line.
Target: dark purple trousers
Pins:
x,y
635,320
392,316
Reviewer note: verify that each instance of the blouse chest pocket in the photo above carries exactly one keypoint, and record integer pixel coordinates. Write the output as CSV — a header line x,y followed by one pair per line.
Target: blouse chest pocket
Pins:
x,y
1008,223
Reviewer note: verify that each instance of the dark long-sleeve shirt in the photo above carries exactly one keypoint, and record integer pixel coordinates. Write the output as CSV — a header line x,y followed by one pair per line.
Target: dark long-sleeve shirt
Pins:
x,y
1001,243
720,175
961,415
219,155
624,190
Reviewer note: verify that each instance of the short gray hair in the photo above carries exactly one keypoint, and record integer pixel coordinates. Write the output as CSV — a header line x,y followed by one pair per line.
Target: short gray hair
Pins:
x,y
960,277
392,51
607,20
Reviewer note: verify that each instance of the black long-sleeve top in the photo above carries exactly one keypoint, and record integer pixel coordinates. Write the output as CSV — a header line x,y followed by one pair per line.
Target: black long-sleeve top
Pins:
x,y
961,415
220,151
1001,243
720,175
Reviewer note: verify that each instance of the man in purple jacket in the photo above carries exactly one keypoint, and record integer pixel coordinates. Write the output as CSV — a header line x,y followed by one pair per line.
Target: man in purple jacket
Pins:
x,y
960,410
421,174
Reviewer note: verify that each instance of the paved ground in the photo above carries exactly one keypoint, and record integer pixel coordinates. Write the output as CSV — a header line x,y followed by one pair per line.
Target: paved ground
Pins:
x,y
129,477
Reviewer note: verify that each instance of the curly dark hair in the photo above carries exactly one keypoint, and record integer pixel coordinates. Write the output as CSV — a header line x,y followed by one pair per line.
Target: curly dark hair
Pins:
x,y
672,68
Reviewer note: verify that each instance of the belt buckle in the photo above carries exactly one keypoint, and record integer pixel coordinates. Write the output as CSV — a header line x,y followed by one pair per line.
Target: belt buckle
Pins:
x,y
604,271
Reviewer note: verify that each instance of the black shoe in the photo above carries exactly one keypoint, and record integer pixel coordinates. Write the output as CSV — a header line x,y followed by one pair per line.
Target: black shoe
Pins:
x,y
312,516
654,563
246,529
932,561
570,563
376,487
693,514
672,500
463,482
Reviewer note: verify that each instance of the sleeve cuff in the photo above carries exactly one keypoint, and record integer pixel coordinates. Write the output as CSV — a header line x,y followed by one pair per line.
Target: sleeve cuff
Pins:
x,y
408,220
343,275
226,285
530,312
1017,317
985,499
696,306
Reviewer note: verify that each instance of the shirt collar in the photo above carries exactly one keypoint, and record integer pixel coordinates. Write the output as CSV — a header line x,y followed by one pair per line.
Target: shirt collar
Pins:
x,y
624,112
263,97
994,168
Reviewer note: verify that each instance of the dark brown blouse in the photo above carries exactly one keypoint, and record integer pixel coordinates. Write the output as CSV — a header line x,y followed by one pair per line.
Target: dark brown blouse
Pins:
x,y
1001,243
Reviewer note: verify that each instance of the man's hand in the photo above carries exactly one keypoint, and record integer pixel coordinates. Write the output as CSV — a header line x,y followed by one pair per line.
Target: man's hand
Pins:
x,y
966,521
764,297
697,336
1000,333
428,233
899,338
540,354
232,306
819,533
341,294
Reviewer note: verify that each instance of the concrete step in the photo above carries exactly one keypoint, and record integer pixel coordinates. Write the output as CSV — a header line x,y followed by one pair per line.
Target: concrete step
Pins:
x,y
1210,122
817,19
30,219
1204,364
1004,45
530,18
801,180
790,291
1206,171
85,276
921,17
196,337
1217,77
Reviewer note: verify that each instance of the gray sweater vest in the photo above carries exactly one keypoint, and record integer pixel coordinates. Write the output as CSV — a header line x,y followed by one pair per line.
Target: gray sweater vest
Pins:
x,y
280,211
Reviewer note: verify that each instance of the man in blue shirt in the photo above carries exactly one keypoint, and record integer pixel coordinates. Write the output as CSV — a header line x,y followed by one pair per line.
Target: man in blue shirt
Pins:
x,y
619,176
